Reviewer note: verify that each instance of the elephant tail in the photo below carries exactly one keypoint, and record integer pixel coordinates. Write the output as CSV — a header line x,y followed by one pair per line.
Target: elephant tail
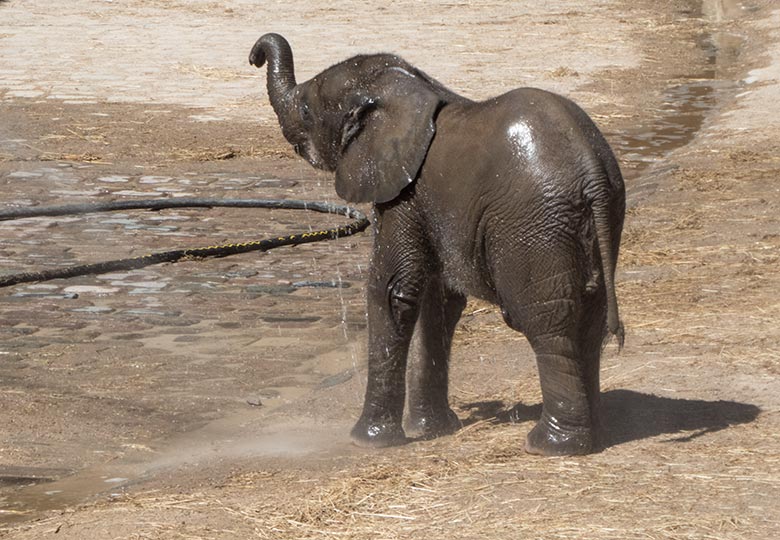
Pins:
x,y
604,203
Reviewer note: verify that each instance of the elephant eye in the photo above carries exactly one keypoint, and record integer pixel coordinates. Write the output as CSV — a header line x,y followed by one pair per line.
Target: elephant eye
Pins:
x,y
305,113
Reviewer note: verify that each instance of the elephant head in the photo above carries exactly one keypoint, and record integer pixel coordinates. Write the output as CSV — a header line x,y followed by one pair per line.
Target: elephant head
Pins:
x,y
370,119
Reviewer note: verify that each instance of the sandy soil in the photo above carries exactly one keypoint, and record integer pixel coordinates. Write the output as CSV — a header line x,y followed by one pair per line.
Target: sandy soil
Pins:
x,y
213,399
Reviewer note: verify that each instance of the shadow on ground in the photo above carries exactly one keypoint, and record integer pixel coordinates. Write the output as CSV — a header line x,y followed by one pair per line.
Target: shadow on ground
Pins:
x,y
630,416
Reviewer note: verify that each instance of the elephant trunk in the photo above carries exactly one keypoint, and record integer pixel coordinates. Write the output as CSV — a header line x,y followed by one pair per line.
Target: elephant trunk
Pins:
x,y
281,72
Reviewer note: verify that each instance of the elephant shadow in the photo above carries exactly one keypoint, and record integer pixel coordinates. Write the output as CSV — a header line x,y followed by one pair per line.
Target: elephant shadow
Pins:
x,y
630,416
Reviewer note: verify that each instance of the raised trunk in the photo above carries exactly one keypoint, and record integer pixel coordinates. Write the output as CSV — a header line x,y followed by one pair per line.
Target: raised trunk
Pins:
x,y
281,73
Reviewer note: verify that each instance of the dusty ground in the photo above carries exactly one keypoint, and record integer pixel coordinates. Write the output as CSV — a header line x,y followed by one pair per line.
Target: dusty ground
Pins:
x,y
213,399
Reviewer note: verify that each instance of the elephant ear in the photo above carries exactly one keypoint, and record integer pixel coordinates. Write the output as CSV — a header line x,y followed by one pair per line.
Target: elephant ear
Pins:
x,y
386,138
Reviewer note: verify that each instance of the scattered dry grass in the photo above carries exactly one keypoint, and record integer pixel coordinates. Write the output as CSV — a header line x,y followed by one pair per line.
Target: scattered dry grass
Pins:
x,y
488,489
689,276
200,154
482,321
209,72
562,72
221,154
79,158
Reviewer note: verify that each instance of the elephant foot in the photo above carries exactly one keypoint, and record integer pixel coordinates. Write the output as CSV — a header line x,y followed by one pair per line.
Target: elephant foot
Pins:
x,y
378,434
433,424
550,439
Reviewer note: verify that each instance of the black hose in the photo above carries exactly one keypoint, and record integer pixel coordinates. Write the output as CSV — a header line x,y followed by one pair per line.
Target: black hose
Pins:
x,y
359,223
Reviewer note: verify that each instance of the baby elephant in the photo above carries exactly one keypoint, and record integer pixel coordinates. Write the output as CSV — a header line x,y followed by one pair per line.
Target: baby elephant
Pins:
x,y
517,200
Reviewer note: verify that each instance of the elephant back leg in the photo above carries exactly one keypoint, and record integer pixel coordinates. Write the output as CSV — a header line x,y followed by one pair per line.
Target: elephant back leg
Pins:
x,y
429,411
549,303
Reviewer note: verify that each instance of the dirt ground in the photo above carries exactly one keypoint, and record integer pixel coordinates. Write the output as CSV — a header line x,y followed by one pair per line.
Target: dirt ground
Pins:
x,y
213,399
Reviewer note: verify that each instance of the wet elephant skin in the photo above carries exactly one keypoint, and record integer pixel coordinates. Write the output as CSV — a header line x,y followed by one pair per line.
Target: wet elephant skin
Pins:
x,y
517,200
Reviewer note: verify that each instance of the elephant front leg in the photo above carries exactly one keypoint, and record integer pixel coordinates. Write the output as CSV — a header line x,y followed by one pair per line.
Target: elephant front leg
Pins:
x,y
392,312
398,276
429,411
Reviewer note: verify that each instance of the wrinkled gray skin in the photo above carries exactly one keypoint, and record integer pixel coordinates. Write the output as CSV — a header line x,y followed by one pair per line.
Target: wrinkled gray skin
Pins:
x,y
517,200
